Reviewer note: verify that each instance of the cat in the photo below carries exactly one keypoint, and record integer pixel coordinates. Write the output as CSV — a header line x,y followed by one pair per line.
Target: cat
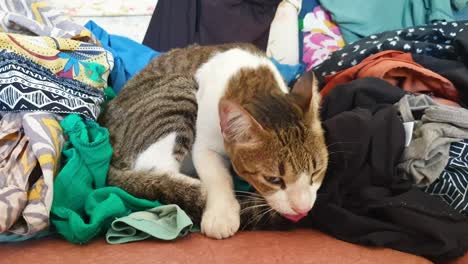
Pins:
x,y
226,105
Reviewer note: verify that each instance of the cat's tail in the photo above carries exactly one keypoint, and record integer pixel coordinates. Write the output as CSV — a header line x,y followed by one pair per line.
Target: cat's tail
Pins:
x,y
168,188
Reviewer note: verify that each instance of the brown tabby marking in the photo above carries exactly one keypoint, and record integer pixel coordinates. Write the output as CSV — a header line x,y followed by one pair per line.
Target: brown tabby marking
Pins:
x,y
293,141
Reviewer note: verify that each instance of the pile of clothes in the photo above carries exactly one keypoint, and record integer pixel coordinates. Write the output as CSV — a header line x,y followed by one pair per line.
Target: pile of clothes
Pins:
x,y
393,76
54,156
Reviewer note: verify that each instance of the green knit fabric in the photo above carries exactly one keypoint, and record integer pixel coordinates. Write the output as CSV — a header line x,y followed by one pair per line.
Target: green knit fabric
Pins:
x,y
83,207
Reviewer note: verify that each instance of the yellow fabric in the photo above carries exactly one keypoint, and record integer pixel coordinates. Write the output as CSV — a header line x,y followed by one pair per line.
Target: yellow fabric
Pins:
x,y
67,58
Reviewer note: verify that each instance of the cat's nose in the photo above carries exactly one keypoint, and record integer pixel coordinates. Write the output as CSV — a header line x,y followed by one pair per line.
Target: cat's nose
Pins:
x,y
301,211
300,202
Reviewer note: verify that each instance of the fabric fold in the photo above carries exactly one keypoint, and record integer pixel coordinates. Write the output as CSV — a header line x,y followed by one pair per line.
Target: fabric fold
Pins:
x,y
166,222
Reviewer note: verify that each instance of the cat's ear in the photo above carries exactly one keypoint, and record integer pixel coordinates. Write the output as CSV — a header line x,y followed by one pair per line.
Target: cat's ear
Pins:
x,y
306,95
237,125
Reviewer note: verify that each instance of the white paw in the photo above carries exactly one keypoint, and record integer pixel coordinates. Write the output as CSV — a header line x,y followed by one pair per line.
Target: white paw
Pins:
x,y
221,219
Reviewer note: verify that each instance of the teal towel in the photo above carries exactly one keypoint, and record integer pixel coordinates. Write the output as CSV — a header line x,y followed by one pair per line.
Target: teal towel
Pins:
x,y
166,222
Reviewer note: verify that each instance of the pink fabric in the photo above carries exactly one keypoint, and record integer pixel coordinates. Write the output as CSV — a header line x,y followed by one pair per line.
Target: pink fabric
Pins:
x,y
322,39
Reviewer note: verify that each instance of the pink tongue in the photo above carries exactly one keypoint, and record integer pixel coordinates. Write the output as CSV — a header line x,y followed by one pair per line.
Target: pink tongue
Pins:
x,y
295,218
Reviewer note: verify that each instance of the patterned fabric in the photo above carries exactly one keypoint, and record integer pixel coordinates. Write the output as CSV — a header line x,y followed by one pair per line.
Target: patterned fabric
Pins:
x,y
67,58
452,185
435,40
321,37
36,17
26,86
106,7
30,146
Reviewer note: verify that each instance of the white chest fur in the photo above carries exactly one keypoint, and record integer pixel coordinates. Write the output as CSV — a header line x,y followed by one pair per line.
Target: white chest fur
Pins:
x,y
212,78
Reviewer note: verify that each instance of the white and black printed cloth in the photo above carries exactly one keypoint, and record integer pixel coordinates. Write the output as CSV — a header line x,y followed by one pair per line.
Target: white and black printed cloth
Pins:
x,y
452,184
27,86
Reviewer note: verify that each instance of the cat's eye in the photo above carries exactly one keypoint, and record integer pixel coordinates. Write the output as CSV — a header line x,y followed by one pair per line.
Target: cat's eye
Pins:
x,y
273,180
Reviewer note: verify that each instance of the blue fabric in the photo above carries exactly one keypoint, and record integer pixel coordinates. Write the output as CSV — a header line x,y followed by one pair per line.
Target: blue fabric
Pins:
x,y
7,238
307,7
129,56
461,15
452,184
289,72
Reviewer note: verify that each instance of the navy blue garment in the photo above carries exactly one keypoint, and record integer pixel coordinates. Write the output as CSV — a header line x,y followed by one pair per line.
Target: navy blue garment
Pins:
x,y
179,23
452,185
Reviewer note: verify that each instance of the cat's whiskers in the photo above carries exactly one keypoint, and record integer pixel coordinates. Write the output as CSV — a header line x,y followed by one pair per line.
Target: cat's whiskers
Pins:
x,y
272,213
253,207
268,211
249,196
249,193
255,217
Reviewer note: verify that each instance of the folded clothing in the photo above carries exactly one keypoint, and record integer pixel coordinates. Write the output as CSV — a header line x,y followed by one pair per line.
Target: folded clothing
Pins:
x,y
81,61
30,145
399,69
166,222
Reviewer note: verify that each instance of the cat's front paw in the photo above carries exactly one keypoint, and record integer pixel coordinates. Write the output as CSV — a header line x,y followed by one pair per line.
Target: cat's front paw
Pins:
x,y
221,220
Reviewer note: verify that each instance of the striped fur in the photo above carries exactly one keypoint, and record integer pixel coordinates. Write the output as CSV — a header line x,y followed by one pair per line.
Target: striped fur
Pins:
x,y
161,101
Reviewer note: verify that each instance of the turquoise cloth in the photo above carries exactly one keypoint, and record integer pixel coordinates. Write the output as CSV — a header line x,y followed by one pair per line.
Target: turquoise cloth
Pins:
x,y
129,56
361,18
83,207
166,222
462,14
459,4
7,238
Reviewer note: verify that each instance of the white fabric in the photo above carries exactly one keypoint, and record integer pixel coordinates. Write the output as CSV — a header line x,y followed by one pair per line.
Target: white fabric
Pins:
x,y
283,41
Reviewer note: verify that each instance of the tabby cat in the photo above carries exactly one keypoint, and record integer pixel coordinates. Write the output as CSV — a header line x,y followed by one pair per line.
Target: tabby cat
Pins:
x,y
226,105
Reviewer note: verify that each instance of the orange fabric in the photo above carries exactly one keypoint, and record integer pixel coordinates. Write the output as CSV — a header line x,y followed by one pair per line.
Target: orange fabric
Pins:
x,y
399,69
257,247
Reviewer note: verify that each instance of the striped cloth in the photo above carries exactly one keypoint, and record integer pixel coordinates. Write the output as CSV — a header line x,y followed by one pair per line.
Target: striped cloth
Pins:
x,y
30,147
452,185
37,17
27,86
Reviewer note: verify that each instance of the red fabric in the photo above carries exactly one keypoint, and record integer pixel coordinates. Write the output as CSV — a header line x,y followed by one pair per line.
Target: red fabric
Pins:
x,y
399,69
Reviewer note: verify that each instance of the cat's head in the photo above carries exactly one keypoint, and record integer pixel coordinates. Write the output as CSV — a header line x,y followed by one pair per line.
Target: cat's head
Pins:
x,y
276,143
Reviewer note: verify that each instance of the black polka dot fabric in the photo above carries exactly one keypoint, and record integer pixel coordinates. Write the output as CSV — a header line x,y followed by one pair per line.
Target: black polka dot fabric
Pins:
x,y
435,40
